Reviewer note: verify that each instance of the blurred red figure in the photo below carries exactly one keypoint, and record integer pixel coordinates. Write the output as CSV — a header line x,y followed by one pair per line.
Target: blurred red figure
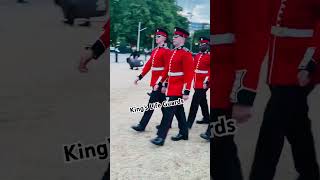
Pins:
x,y
239,43
293,71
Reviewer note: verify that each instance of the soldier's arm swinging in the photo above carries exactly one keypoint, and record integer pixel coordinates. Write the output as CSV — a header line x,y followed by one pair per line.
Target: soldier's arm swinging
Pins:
x,y
164,75
252,35
309,65
315,59
252,29
96,50
102,43
207,80
146,68
188,73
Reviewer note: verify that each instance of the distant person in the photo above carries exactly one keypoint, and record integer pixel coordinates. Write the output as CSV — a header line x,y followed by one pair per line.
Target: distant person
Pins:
x,y
135,54
133,59
78,9
68,10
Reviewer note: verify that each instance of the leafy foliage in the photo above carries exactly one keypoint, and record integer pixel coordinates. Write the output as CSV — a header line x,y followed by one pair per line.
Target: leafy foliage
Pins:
x,y
126,15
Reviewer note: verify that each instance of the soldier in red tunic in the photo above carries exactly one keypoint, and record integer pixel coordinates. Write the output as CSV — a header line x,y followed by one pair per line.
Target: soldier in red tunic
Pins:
x,y
239,46
201,83
293,71
179,74
156,64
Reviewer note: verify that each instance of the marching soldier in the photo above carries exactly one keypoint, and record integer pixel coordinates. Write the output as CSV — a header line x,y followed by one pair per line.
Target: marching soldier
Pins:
x,y
156,64
239,45
179,72
201,83
294,70
96,50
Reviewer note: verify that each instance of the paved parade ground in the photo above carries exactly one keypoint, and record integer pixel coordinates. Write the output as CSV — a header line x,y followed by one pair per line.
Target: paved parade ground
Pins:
x,y
132,154
44,101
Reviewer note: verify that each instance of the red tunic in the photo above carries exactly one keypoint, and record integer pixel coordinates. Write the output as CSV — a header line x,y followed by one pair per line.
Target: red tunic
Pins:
x,y
156,64
105,37
179,72
103,43
239,39
294,40
201,69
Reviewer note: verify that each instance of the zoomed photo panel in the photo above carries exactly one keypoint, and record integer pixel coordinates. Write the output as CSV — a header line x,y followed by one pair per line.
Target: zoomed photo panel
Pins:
x,y
160,79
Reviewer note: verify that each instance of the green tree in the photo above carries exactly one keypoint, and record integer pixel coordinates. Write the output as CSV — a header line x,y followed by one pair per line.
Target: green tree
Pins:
x,y
126,14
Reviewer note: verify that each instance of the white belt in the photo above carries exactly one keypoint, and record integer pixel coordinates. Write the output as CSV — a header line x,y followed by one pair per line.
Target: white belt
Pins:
x,y
175,73
157,68
201,71
290,32
218,39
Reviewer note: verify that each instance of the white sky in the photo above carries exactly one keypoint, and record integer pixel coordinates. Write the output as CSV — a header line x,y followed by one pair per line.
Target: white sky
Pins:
x,y
200,10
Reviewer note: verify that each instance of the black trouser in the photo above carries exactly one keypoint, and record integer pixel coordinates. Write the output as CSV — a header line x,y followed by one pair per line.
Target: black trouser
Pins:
x,y
106,175
224,160
199,98
155,96
168,113
286,115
